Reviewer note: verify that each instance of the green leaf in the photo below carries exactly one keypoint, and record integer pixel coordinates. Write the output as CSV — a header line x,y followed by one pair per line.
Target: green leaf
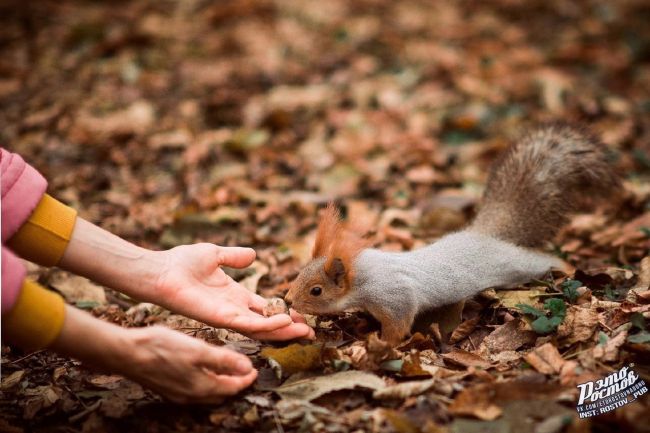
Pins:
x,y
542,325
609,293
641,337
530,310
570,289
392,365
556,306
602,338
638,321
555,321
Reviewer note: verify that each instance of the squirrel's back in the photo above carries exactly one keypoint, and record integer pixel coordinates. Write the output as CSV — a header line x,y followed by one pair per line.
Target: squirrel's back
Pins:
x,y
532,190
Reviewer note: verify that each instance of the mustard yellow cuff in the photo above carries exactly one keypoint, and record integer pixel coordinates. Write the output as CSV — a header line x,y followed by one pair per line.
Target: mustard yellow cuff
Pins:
x,y
36,319
45,236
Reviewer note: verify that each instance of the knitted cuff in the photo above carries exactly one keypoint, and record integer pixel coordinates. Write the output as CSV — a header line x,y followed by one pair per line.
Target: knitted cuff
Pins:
x,y
36,319
44,237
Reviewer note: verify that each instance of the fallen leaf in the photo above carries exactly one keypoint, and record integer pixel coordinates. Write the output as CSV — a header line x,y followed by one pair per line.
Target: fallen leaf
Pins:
x,y
510,298
546,359
77,289
12,380
295,357
463,330
579,324
404,389
314,387
466,359
608,352
509,336
643,281
251,282
449,317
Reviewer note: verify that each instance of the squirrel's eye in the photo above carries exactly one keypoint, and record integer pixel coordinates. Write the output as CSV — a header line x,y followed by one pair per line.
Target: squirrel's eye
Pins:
x,y
316,291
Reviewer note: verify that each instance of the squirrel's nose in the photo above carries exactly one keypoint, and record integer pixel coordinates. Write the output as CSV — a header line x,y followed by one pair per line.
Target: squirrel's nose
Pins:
x,y
288,299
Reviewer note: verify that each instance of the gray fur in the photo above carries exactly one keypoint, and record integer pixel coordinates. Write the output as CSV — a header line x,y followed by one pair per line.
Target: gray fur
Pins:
x,y
455,267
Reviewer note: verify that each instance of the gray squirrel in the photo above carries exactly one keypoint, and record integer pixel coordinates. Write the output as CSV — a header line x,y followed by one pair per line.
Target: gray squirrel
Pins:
x,y
532,190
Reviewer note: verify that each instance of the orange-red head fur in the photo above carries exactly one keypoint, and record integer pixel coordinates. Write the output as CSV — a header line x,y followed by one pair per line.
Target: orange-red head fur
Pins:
x,y
329,276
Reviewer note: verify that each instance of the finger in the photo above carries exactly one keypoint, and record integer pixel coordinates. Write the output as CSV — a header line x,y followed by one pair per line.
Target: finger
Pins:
x,y
214,387
231,385
253,322
296,316
258,303
291,332
235,257
225,361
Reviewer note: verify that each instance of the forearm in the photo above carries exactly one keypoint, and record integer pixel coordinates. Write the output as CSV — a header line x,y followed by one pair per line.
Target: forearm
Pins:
x,y
109,260
92,341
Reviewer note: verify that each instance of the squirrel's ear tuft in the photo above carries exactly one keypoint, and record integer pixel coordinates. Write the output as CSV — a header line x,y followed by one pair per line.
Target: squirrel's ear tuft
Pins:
x,y
328,230
336,271
345,249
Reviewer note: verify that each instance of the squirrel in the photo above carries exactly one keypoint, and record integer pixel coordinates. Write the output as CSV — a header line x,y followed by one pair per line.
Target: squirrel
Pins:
x,y
532,190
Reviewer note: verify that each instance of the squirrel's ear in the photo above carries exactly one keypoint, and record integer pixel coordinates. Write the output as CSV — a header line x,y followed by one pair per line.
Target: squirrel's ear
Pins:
x,y
328,229
336,271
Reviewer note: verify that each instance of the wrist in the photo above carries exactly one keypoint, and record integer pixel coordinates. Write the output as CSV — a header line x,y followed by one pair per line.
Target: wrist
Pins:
x,y
142,278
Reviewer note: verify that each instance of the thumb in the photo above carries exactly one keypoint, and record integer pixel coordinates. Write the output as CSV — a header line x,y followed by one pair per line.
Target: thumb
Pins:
x,y
235,257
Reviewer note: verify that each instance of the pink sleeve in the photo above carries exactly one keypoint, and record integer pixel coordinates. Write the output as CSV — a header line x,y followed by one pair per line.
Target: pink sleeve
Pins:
x,y
13,274
22,188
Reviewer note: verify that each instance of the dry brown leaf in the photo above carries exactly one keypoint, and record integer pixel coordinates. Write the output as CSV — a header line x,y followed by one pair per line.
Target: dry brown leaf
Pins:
x,y
449,317
505,357
466,359
510,298
569,374
412,366
509,336
295,357
12,380
404,389
578,325
77,289
545,359
252,281
608,352
643,282
463,330
476,403
313,387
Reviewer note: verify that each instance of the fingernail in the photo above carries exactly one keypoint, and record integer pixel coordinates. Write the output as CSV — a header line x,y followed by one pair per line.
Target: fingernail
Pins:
x,y
243,366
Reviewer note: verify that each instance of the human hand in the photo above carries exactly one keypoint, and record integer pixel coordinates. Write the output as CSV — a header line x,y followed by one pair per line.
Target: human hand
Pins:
x,y
182,368
185,369
192,283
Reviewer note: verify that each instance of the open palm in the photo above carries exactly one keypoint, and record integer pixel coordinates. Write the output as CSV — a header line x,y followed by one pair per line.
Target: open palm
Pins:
x,y
193,284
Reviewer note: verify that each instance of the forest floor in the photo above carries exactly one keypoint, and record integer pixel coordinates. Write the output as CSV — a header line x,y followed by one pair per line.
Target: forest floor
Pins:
x,y
234,122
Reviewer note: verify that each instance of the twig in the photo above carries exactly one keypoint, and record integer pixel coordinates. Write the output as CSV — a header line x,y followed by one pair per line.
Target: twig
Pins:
x,y
469,337
577,353
29,355
93,407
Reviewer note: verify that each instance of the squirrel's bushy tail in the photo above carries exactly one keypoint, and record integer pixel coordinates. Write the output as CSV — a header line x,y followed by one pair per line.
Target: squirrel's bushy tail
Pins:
x,y
536,185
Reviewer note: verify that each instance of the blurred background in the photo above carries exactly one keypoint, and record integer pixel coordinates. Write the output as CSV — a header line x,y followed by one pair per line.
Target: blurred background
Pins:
x,y
234,121
146,113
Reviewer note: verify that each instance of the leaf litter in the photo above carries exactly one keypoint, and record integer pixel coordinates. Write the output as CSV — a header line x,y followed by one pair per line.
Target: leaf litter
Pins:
x,y
234,122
